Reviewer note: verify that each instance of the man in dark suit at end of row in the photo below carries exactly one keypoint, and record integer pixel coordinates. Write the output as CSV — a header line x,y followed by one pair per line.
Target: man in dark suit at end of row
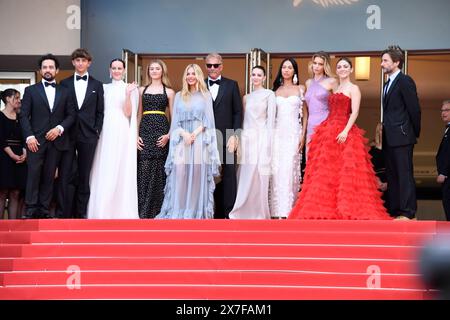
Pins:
x,y
401,128
443,159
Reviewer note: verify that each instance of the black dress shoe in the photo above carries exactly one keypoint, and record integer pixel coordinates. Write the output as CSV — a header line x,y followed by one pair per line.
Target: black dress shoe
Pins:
x,y
45,216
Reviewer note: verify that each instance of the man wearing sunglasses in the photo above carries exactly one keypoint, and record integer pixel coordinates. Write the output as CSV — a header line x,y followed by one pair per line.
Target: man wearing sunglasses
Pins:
x,y
227,106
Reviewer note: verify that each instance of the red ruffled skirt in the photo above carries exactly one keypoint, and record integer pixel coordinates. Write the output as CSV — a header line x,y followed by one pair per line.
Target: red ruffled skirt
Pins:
x,y
339,181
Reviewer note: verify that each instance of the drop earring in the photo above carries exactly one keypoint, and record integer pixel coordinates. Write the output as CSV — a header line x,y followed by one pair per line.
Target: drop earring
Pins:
x,y
295,79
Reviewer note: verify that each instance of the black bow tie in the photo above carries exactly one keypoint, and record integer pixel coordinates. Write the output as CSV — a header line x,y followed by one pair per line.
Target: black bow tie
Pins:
x,y
211,82
81,77
50,84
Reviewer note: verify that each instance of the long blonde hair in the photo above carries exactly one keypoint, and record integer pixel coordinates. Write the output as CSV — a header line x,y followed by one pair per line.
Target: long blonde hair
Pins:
x,y
164,77
200,86
326,64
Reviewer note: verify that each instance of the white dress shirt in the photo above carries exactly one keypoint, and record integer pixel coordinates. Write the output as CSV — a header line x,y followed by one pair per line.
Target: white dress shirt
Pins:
x,y
391,79
50,92
214,89
80,88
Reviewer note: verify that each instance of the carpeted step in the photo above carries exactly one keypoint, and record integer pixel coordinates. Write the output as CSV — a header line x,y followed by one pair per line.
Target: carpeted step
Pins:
x,y
211,292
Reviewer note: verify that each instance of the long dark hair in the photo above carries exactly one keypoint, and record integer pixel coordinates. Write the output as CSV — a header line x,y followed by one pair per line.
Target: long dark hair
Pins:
x,y
279,78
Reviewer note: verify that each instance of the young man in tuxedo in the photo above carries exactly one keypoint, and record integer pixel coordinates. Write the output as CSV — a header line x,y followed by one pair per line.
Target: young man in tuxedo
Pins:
x,y
47,111
76,163
227,105
401,128
443,159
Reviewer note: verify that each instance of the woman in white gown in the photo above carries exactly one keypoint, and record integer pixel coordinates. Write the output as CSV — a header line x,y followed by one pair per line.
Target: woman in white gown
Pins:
x,y
252,201
289,138
114,171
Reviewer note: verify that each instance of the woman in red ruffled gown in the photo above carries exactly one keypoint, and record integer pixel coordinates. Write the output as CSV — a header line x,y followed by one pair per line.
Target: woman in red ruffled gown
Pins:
x,y
339,180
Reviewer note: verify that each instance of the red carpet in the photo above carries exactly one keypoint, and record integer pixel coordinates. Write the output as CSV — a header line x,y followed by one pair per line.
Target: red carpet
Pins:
x,y
212,259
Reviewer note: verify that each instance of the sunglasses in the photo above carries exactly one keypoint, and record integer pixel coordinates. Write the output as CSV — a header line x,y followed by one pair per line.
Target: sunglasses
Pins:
x,y
215,65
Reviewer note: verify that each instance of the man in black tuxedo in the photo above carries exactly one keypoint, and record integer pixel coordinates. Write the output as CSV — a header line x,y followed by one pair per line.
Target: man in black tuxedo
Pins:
x,y
47,110
443,160
227,105
401,128
87,96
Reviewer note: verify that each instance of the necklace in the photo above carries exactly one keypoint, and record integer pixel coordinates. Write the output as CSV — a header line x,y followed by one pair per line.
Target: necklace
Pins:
x,y
10,115
320,79
341,87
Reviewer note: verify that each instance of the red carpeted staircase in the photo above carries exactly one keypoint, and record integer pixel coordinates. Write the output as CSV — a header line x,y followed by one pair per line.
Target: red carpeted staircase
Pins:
x,y
212,259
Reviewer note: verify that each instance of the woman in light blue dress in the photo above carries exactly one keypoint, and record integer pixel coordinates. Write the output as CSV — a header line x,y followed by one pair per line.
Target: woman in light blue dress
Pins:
x,y
193,159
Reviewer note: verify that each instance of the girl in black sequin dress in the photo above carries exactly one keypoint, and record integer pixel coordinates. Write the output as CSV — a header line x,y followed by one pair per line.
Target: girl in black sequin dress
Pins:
x,y
156,100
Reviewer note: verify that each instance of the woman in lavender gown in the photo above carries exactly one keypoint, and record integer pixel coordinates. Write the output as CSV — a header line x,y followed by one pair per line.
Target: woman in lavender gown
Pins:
x,y
318,88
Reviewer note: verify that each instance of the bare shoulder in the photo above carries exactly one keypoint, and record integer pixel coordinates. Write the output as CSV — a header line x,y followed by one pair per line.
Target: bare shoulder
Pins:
x,y
355,88
170,92
331,83
308,83
301,88
332,80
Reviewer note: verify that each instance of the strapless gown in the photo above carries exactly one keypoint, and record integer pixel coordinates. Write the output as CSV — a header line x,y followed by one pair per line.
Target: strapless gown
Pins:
x,y
339,181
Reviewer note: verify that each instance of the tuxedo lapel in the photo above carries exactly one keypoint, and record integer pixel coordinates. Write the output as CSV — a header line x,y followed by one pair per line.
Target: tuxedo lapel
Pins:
x,y
89,90
41,91
222,89
393,85
72,89
57,97
443,141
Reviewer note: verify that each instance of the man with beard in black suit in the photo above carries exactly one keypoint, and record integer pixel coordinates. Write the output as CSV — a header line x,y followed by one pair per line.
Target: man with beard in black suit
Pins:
x,y
401,128
47,111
